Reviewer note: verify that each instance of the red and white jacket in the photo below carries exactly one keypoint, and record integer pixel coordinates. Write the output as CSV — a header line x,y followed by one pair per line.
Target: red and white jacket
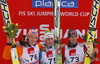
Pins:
x,y
73,55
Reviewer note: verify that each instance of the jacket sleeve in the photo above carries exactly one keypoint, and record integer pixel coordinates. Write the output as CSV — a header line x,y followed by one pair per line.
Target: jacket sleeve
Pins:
x,y
41,46
7,50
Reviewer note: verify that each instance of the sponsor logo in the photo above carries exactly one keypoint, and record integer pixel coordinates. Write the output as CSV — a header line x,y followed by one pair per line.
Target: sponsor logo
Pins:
x,y
5,12
31,51
93,19
43,27
49,54
58,51
72,52
49,3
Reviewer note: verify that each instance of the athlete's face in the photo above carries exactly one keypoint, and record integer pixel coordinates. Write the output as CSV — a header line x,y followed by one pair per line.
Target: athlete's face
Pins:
x,y
73,39
32,39
49,41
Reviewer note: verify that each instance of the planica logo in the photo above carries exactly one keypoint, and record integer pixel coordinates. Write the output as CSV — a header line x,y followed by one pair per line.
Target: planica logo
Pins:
x,y
49,3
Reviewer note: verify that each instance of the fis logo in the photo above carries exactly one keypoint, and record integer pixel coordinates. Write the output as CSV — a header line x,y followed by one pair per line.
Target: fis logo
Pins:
x,y
49,3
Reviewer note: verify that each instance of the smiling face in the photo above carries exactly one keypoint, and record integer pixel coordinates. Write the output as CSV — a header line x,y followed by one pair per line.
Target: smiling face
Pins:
x,y
73,39
49,41
32,39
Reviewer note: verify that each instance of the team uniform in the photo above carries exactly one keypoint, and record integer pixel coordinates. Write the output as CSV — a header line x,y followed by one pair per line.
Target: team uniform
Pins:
x,y
27,55
28,52
48,56
74,55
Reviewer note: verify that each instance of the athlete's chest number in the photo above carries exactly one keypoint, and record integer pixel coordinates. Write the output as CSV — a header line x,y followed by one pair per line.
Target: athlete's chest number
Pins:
x,y
34,56
52,59
76,59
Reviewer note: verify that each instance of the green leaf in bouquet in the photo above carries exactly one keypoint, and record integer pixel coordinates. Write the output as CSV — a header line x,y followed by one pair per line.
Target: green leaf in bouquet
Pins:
x,y
11,30
96,42
85,39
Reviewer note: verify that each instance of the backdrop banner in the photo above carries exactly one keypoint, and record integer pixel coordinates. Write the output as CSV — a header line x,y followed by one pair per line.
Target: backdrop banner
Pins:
x,y
75,14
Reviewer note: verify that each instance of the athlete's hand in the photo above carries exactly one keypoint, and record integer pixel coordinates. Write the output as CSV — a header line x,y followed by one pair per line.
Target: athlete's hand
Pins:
x,y
95,59
44,49
62,45
95,50
10,40
17,44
